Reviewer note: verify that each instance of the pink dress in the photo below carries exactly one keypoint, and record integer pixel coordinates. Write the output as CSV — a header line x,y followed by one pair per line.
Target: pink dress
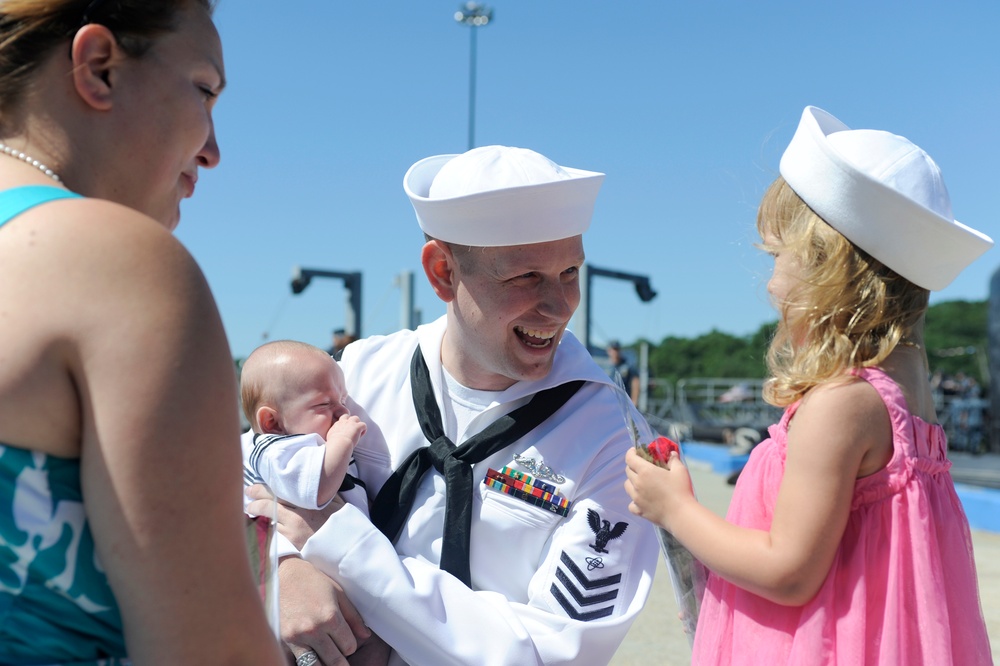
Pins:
x,y
902,588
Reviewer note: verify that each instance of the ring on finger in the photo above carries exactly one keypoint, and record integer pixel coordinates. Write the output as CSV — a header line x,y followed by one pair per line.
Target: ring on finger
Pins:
x,y
307,658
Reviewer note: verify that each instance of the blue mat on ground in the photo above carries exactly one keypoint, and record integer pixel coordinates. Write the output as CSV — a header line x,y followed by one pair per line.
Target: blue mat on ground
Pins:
x,y
982,506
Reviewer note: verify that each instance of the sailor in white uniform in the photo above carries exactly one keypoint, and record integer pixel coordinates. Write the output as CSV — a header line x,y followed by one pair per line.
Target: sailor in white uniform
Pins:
x,y
500,530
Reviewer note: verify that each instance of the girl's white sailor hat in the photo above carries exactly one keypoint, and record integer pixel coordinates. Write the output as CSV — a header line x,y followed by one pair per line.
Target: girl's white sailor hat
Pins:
x,y
885,194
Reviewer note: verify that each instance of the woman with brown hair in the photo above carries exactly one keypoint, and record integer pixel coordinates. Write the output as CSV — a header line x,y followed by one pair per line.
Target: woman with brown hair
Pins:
x,y
121,531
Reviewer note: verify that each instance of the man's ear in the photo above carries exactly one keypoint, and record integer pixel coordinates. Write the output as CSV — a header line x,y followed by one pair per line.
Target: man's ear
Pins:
x,y
267,421
96,54
439,265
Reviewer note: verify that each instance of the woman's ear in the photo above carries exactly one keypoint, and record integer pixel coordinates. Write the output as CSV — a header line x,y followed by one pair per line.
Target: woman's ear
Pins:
x,y
439,265
95,54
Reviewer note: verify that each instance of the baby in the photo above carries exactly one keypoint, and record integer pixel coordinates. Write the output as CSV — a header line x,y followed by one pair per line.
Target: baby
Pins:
x,y
303,434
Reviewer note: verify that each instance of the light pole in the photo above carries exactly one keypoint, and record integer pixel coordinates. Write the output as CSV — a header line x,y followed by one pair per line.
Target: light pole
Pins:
x,y
409,316
475,15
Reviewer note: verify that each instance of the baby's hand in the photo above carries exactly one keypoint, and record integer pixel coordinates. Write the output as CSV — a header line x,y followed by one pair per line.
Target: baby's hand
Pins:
x,y
347,427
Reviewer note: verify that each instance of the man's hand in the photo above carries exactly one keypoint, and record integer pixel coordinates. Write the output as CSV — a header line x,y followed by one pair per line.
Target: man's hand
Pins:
x,y
317,615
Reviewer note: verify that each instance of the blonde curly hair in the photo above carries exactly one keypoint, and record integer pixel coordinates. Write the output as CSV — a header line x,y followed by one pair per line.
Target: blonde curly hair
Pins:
x,y
848,310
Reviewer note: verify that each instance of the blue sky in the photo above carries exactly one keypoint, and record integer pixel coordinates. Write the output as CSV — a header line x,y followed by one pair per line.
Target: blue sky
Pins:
x,y
685,106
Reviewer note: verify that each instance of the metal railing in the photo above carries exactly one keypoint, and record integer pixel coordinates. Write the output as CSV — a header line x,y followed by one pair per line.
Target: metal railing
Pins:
x,y
715,407
965,421
713,401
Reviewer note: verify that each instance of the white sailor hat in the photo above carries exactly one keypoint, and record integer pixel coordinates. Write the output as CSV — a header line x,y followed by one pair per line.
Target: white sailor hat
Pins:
x,y
885,194
499,196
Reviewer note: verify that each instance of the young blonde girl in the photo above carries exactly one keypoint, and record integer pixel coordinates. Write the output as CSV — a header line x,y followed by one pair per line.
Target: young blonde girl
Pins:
x,y
845,542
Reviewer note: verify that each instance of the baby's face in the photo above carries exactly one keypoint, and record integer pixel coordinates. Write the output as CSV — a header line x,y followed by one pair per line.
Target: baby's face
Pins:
x,y
318,400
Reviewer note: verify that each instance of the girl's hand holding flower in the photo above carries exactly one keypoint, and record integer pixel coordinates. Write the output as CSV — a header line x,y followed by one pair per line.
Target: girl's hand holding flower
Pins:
x,y
657,481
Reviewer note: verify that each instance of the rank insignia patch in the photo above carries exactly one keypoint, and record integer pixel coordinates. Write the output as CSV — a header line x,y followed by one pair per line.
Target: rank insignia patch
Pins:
x,y
603,532
584,598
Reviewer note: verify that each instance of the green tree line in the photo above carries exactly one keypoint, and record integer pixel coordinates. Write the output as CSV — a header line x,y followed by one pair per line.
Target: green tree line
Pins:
x,y
955,339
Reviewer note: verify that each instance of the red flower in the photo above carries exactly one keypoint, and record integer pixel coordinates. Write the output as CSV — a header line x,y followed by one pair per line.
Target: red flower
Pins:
x,y
661,447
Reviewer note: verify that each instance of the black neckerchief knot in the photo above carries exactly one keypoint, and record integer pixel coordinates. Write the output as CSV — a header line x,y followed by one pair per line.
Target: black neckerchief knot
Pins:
x,y
394,502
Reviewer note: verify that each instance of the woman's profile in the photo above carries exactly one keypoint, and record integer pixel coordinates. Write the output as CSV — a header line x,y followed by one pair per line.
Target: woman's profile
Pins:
x,y
121,530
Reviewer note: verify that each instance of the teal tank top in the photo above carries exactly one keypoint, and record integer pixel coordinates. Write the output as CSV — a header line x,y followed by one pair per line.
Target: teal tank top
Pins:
x,y
56,607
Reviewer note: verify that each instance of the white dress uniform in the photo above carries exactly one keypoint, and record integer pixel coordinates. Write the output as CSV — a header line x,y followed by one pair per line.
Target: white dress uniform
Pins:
x,y
546,588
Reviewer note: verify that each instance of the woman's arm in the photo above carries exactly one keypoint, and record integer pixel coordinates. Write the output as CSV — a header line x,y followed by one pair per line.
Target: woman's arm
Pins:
x,y
160,451
836,426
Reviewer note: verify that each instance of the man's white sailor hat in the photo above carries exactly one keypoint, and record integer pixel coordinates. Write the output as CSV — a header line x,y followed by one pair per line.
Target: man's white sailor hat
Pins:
x,y
500,196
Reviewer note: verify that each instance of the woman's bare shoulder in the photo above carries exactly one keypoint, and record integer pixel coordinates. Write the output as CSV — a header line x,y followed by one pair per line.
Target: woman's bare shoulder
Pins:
x,y
78,227
92,286
91,249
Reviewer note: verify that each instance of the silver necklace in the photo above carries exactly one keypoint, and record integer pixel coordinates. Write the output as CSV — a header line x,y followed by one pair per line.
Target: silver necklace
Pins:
x,y
30,160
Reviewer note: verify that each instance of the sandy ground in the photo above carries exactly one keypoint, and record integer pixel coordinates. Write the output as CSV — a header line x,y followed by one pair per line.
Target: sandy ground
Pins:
x,y
657,638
